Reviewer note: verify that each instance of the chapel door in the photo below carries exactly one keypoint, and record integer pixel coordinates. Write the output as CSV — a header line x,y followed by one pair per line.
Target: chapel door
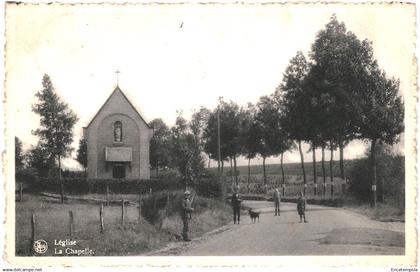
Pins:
x,y
118,171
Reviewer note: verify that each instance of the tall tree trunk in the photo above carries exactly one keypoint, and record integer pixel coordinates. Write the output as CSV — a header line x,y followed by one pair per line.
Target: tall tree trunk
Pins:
x,y
374,181
314,166
323,169
231,171
265,177
223,165
60,180
282,172
249,171
235,169
331,170
341,147
302,163
208,165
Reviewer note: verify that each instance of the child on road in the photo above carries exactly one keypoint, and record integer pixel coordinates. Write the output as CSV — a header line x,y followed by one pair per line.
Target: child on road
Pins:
x,y
301,206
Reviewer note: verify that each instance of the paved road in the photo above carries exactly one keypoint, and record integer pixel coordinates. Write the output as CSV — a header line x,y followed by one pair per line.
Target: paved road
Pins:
x,y
330,231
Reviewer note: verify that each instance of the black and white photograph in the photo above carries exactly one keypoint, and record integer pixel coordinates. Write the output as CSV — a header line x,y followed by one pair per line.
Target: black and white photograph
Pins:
x,y
210,130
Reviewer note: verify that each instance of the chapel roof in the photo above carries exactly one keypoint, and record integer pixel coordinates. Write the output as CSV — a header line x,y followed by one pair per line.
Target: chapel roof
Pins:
x,y
117,89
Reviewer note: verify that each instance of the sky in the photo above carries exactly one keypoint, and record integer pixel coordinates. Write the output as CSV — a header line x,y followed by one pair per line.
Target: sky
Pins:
x,y
180,57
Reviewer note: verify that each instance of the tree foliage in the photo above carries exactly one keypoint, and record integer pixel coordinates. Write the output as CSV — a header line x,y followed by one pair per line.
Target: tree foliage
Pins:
x,y
19,156
160,145
56,121
81,156
38,158
186,157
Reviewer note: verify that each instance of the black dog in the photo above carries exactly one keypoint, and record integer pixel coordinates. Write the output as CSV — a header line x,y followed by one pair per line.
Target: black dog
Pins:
x,y
254,215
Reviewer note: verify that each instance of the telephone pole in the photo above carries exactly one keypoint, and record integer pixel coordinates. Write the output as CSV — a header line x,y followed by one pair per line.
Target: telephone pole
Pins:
x,y
218,149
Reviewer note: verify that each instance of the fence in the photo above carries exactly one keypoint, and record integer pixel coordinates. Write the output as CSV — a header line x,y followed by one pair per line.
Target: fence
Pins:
x,y
291,188
80,223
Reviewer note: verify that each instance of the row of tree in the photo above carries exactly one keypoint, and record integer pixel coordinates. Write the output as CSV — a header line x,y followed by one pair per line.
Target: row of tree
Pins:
x,y
335,95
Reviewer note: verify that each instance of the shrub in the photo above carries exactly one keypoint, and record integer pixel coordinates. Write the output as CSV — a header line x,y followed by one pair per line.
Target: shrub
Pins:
x,y
208,187
390,177
28,176
98,186
153,203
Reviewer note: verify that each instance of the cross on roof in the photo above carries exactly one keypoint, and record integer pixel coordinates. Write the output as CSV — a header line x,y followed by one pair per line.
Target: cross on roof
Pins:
x,y
117,72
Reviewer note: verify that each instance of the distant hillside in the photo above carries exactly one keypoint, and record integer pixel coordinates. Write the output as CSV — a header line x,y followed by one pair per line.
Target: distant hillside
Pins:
x,y
291,168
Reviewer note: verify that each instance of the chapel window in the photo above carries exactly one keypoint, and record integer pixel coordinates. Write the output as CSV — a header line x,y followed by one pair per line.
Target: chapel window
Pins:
x,y
118,135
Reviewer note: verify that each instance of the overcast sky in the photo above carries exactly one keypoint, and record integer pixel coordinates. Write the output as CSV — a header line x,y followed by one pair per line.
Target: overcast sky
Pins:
x,y
175,57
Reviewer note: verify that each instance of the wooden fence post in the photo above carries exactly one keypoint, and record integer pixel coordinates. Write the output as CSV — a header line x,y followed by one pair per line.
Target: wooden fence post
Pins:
x,y
71,225
101,217
107,194
61,189
33,232
20,191
122,211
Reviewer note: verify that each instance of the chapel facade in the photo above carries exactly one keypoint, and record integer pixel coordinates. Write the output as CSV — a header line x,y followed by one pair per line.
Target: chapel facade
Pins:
x,y
118,141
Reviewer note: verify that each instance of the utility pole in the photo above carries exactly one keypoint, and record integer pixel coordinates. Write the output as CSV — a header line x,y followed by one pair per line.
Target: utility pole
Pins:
x,y
218,141
218,149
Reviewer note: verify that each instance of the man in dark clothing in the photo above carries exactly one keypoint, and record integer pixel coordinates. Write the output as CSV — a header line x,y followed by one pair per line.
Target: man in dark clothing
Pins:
x,y
236,205
276,198
186,211
301,207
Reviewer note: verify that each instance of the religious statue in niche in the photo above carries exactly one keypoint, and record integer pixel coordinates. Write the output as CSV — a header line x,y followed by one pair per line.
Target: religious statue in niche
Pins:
x,y
117,131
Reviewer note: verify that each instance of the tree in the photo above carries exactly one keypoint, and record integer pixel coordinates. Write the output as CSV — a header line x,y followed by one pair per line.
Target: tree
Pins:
x,y
81,156
390,169
284,142
56,124
38,158
184,153
321,111
19,156
381,114
340,58
230,133
294,103
272,138
248,136
197,126
160,145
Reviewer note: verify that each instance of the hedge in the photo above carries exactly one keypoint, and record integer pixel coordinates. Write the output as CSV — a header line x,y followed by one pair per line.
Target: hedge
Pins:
x,y
206,187
98,186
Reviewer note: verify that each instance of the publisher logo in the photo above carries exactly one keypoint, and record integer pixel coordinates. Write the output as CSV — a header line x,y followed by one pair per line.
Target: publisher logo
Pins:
x,y
40,246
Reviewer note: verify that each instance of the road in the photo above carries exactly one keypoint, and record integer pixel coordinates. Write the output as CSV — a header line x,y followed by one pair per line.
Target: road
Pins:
x,y
330,231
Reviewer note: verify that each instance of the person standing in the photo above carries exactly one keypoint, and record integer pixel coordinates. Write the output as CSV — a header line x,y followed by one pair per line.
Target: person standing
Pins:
x,y
236,206
186,210
277,199
301,207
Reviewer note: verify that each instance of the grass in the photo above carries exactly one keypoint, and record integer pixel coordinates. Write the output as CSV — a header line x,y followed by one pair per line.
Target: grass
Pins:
x,y
135,237
387,212
209,214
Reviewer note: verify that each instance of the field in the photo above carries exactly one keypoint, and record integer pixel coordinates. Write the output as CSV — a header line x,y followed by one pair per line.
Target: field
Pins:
x,y
290,168
134,237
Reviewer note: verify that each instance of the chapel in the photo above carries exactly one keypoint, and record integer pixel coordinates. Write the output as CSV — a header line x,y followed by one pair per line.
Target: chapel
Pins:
x,y
118,141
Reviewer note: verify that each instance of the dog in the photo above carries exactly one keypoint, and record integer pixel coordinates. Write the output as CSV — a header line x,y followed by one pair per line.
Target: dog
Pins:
x,y
254,215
